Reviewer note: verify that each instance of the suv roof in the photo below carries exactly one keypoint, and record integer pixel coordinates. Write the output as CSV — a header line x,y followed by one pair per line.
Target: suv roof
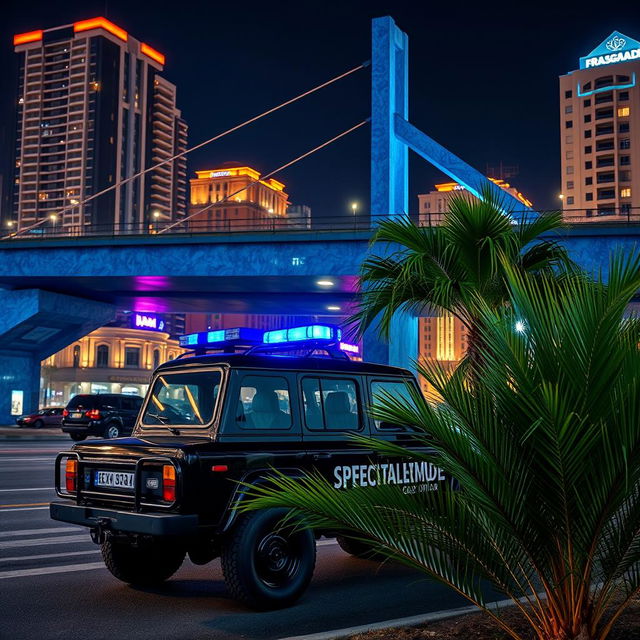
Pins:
x,y
264,361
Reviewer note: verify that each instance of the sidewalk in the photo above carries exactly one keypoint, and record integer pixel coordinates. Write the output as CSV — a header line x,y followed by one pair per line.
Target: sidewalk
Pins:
x,y
14,432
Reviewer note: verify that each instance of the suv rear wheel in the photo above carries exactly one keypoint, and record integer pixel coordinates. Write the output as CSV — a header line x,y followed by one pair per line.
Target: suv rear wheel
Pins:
x,y
267,566
112,430
146,565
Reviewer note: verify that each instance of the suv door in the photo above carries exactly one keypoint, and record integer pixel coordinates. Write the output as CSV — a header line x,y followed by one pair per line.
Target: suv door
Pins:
x,y
333,408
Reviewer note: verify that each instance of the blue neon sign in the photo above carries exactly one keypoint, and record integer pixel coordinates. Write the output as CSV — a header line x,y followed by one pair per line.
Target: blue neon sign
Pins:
x,y
614,49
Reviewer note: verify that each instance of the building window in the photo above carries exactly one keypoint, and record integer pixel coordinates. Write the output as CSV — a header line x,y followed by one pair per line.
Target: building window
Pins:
x,y
587,117
625,192
569,154
568,124
588,165
588,196
568,94
624,176
587,133
570,200
588,149
623,111
568,108
132,357
625,144
623,96
76,356
603,81
570,184
625,160
568,139
587,102
588,180
623,127
102,356
156,358
569,170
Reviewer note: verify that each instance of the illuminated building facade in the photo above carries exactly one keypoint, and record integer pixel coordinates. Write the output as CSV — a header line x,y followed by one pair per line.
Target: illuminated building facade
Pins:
x,y
600,132
92,110
433,205
234,196
108,360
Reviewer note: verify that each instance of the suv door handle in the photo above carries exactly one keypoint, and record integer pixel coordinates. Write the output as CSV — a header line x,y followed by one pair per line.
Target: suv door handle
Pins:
x,y
322,456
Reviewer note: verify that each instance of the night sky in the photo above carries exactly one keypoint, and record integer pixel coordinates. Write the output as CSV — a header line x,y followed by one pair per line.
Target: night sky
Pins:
x,y
483,81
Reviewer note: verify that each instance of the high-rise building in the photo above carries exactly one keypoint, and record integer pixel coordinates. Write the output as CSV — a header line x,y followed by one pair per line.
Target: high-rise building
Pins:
x,y
234,196
92,110
433,205
600,132
299,216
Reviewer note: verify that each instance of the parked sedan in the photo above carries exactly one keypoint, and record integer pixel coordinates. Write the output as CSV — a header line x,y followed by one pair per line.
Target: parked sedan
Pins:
x,y
44,418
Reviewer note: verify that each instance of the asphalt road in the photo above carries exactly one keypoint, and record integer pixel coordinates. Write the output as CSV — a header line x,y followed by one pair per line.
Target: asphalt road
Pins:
x,y
53,583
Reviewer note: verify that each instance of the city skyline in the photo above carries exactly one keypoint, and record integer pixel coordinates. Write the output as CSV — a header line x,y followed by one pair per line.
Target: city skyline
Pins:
x,y
507,122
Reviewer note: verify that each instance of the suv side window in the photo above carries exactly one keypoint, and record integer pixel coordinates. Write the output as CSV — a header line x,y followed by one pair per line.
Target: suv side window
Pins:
x,y
131,403
330,404
395,388
108,402
263,403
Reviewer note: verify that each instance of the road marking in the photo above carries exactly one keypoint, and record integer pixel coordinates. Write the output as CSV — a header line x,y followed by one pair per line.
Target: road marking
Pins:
x,y
31,532
49,555
25,509
69,568
25,504
12,544
3,459
30,488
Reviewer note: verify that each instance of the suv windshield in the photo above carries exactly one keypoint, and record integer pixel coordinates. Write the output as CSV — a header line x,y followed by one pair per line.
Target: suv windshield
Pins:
x,y
182,399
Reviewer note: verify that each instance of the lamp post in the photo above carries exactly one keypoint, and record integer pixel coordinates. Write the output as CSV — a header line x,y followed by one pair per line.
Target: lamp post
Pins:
x,y
354,211
156,216
53,217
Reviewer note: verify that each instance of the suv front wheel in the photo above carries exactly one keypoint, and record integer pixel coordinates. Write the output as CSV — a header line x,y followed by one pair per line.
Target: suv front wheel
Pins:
x,y
267,565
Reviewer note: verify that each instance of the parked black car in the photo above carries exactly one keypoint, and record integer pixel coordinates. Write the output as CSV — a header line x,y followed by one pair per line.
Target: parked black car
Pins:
x,y
109,415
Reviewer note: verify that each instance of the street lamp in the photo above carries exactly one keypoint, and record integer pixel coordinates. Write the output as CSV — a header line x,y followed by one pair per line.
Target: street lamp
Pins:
x,y
156,216
354,208
53,217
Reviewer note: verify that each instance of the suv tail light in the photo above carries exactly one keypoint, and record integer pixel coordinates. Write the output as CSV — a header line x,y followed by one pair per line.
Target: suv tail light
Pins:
x,y
93,414
65,413
71,474
168,483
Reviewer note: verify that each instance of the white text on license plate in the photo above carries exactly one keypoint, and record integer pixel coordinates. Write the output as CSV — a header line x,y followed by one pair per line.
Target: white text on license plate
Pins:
x,y
114,479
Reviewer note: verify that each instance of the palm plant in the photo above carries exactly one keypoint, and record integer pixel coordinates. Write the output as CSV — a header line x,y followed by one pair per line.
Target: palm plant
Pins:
x,y
546,451
446,267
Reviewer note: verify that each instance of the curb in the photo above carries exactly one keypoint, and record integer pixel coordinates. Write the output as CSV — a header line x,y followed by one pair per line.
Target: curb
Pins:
x,y
398,622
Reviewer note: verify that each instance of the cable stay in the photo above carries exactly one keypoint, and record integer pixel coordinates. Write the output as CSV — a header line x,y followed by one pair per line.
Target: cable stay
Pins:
x,y
218,136
267,176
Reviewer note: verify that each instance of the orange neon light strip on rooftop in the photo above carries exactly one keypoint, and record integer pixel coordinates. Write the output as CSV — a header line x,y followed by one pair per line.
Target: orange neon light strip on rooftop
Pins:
x,y
100,23
23,38
152,53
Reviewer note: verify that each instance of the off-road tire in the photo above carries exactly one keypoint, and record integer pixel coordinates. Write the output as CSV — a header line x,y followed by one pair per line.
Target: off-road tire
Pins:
x,y
252,556
77,437
147,565
358,549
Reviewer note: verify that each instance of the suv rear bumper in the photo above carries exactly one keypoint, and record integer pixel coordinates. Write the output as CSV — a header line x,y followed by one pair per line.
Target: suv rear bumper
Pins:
x,y
155,524
87,429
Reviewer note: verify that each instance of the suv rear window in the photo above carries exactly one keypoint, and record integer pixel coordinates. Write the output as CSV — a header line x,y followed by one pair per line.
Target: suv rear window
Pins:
x,y
93,402
183,399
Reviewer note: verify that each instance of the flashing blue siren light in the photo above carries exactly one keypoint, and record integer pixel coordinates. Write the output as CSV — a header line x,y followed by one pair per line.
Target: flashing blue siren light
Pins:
x,y
329,333
222,338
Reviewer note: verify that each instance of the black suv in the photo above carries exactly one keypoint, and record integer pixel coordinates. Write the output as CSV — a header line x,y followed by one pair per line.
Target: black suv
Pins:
x,y
210,422
109,415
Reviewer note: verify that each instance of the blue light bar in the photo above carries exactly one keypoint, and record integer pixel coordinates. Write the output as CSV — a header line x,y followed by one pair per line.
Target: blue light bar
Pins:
x,y
222,338
322,332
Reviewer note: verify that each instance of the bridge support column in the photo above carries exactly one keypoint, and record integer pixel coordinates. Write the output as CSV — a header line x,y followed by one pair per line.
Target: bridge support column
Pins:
x,y
35,324
402,348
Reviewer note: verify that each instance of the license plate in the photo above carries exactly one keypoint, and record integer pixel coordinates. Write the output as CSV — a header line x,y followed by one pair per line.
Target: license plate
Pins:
x,y
114,479
76,415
